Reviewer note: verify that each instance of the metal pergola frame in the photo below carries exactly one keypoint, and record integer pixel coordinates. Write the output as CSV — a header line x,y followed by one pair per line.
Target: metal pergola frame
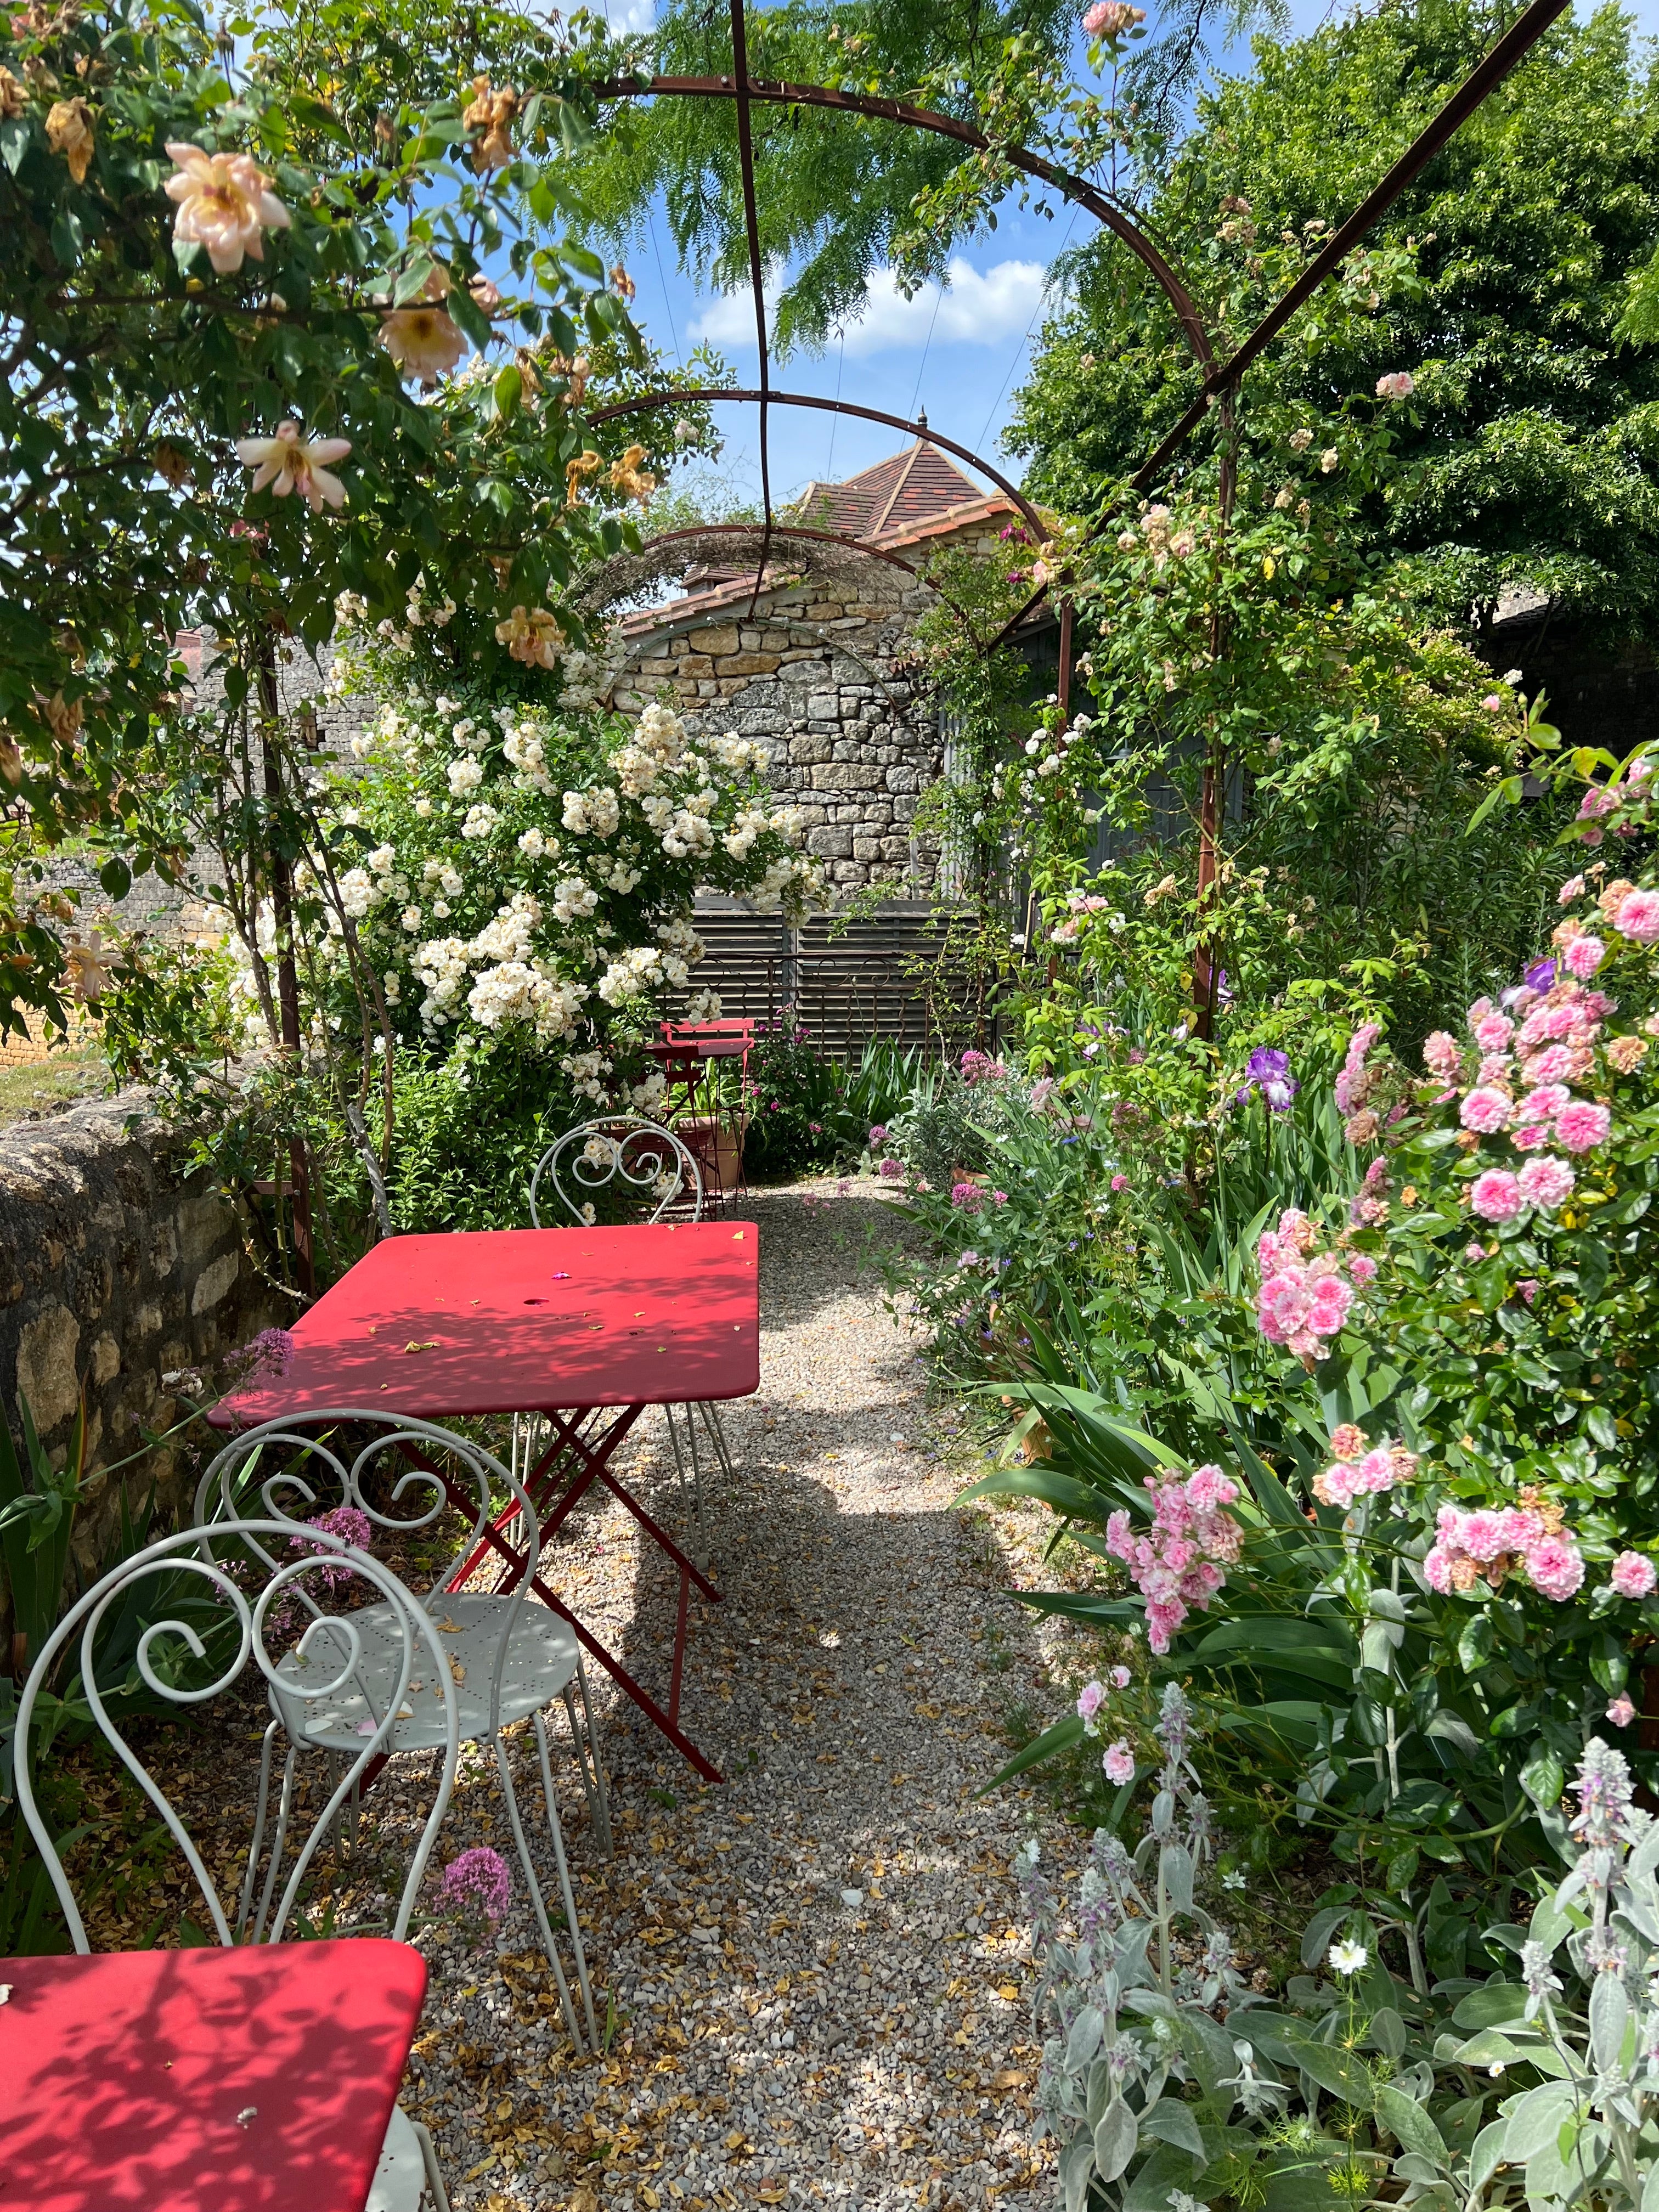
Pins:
x,y
1220,379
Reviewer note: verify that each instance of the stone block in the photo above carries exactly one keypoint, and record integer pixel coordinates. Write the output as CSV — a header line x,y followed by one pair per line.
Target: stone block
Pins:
x,y
902,779
46,1376
867,848
800,669
200,1223
163,1249
805,750
213,1281
105,1359
720,638
810,815
846,776
830,843
748,664
749,640
824,707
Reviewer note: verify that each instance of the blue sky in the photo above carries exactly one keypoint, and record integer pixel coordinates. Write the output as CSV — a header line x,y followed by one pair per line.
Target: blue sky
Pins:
x,y
960,354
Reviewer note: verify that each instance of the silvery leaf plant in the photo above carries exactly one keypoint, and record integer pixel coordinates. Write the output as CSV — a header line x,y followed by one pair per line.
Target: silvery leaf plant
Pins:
x,y
1171,2086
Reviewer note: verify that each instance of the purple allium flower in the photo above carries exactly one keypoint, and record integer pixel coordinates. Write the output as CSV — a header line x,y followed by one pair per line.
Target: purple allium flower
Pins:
x,y
1269,1070
351,1526
268,1355
480,1877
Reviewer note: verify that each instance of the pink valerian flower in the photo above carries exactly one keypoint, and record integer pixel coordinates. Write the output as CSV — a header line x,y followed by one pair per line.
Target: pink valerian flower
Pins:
x,y
1182,1561
1582,1126
968,1196
980,1067
1637,917
1496,1195
1633,1575
269,1356
1487,1544
1584,955
478,1877
1442,1055
1398,384
1546,1181
1621,1712
1487,1112
1118,1761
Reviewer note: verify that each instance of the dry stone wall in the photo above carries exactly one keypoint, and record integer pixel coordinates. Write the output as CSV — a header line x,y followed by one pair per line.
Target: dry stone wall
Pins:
x,y
119,1268
827,684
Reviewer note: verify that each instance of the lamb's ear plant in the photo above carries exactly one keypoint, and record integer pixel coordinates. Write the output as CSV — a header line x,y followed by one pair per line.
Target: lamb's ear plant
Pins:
x,y
1171,2084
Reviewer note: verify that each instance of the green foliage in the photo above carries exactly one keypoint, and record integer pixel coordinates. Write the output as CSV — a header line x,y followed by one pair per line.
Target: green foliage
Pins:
x,y
1526,454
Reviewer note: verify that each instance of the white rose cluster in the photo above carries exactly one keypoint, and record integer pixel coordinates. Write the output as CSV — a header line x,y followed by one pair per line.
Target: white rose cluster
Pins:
x,y
591,813
464,774
586,1071
640,969
574,900
527,754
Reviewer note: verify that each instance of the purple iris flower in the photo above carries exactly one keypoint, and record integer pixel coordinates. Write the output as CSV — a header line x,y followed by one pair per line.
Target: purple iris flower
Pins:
x,y
1269,1070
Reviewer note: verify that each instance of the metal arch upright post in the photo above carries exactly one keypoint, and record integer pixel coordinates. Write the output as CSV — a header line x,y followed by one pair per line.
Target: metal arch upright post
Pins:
x,y
751,226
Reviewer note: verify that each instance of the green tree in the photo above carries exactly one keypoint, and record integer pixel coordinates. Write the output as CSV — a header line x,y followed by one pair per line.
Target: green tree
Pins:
x,y
1528,452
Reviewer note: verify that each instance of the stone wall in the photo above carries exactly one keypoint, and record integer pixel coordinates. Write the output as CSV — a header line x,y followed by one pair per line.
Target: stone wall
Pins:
x,y
827,683
118,1268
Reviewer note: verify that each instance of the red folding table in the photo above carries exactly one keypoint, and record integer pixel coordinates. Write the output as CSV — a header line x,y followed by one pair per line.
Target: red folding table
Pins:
x,y
585,1327
256,2079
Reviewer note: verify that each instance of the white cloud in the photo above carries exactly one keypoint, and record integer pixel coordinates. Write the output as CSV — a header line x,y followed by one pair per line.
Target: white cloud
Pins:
x,y
984,310
627,17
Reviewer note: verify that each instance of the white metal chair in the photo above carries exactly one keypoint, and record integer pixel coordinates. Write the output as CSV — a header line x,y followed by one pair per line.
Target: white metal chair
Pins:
x,y
203,1614
506,1657
656,1162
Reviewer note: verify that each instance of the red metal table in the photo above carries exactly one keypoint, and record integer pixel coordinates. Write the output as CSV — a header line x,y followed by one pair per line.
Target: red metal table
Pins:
x,y
585,1327
259,2078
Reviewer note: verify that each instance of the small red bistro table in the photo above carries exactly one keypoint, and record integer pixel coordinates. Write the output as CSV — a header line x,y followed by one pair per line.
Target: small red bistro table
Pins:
x,y
586,1327
257,2079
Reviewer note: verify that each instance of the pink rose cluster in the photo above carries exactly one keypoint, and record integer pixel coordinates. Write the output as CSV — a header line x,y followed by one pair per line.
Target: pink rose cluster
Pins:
x,y
1359,1468
1368,1209
1093,1696
1305,1296
1355,1081
1632,1575
1494,1541
1182,1559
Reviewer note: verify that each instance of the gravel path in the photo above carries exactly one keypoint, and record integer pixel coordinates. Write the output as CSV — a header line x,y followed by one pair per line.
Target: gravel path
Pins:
x,y
815,1990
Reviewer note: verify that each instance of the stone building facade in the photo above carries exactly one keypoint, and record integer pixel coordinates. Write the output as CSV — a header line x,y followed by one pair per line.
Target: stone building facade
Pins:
x,y
819,664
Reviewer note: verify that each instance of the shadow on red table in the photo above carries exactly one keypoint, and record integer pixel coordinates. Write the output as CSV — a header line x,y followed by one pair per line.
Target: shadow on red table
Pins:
x,y
250,2080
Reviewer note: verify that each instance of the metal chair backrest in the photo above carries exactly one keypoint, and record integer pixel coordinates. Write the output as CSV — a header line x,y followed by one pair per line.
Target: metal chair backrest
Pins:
x,y
186,1615
319,1463
619,1147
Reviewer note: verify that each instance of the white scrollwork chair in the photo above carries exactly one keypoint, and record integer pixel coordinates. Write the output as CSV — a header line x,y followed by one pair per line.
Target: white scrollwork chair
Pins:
x,y
654,1163
506,1657
209,1600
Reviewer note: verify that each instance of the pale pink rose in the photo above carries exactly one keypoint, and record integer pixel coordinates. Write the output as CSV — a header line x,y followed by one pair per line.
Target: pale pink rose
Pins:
x,y
1120,1677
225,204
1207,1488
1486,1111
1637,917
1164,1617
1546,1102
1474,1253
1436,1570
1494,702
1632,1575
1555,1565
1442,1055
1546,1182
288,463
1496,1195
1549,1065
1398,384
1584,955
1481,1536
1530,1134
1582,1125
1526,1288
1493,1032
1091,1698
1362,1266
1117,1759
1572,889
1621,1712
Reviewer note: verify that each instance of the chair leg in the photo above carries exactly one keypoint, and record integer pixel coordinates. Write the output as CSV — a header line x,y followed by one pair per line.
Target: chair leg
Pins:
x,y
279,1842
711,1414
537,1902
701,1547
565,1890
585,1735
434,2180
258,1844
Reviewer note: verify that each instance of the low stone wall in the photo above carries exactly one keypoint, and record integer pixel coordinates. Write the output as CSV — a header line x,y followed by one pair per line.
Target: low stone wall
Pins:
x,y
118,1267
